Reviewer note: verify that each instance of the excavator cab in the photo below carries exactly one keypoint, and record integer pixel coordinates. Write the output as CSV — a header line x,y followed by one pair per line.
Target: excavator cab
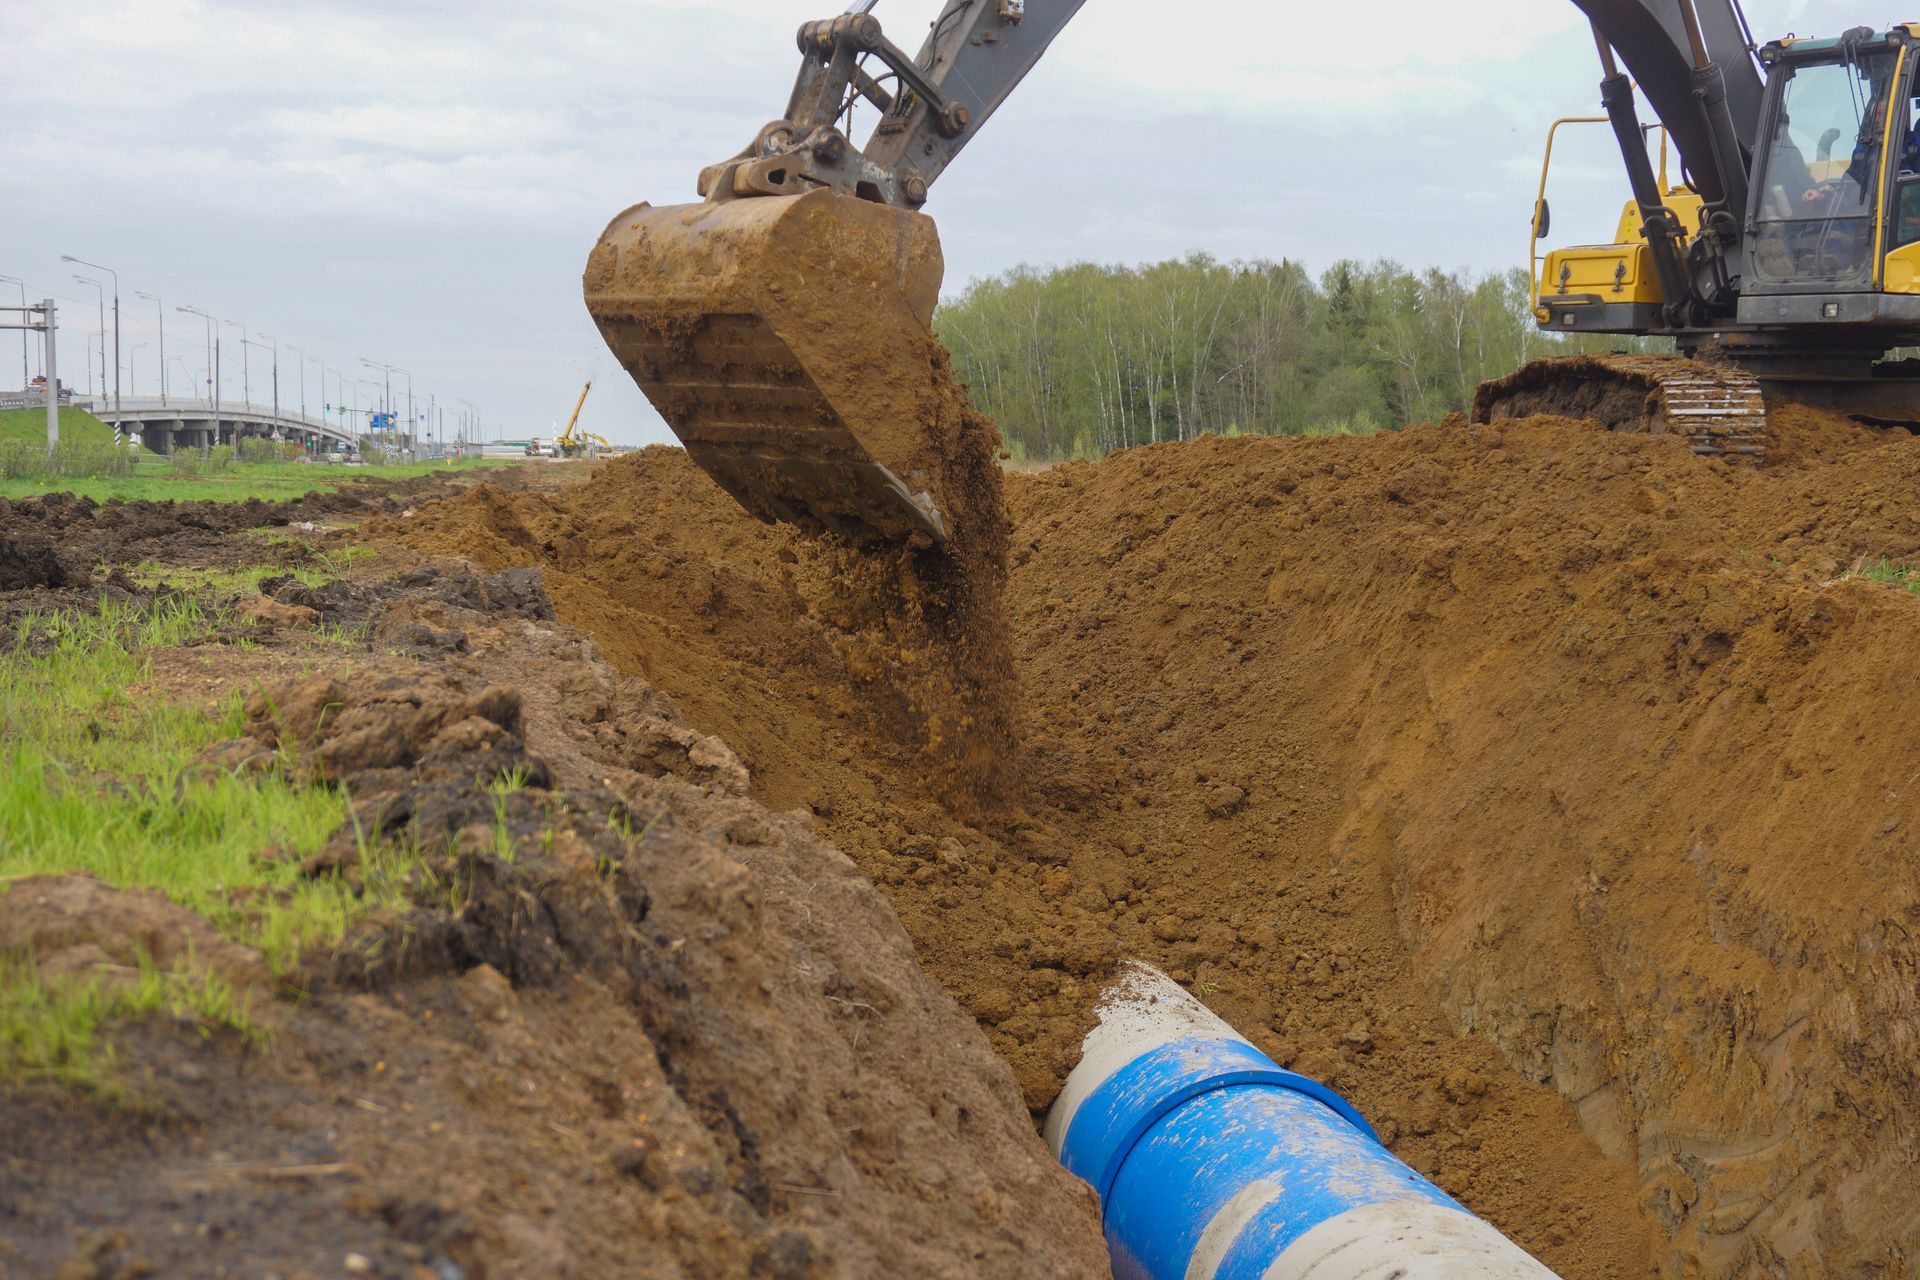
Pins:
x,y
1834,206
1791,256
1834,138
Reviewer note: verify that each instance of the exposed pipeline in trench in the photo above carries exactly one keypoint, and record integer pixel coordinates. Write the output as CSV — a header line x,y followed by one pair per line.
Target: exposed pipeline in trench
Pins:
x,y
1214,1163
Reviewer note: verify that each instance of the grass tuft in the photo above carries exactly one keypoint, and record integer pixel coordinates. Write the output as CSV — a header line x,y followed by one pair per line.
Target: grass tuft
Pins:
x,y
51,1032
94,780
1894,574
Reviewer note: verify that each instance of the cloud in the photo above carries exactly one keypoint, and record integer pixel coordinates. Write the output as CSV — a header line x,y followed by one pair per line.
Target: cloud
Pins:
x,y
422,180
1314,59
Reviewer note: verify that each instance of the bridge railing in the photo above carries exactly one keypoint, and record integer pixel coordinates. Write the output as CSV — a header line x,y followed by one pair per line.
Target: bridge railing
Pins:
x,y
130,406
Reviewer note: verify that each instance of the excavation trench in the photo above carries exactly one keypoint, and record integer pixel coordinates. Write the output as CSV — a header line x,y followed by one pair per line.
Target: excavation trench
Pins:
x,y
1546,791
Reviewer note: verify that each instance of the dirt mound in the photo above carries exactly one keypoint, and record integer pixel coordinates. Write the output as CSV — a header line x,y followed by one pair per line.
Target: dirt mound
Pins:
x,y
29,561
906,643
52,541
574,1053
1477,770
78,928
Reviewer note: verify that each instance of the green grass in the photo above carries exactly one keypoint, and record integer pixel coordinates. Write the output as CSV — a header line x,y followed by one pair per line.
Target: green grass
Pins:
x,y
29,426
245,580
53,1032
1901,575
95,779
153,480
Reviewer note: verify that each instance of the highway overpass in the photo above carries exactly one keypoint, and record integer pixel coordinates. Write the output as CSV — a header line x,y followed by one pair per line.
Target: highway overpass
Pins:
x,y
164,425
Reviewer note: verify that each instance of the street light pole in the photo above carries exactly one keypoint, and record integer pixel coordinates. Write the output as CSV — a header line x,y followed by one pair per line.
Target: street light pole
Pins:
x,y
67,257
303,379
245,342
275,342
386,403
213,367
101,290
26,379
133,359
160,312
413,420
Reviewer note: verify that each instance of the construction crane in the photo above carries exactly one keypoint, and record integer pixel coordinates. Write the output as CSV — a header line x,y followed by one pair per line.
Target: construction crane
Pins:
x,y
571,442
782,326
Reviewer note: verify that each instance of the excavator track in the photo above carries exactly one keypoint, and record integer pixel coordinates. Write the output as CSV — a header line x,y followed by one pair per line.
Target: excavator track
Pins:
x,y
1720,409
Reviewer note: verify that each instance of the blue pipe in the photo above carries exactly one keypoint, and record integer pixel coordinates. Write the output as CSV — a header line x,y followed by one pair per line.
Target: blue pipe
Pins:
x,y
1214,1163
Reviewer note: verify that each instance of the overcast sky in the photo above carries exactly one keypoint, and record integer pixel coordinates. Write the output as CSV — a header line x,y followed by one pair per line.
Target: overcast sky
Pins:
x,y
419,183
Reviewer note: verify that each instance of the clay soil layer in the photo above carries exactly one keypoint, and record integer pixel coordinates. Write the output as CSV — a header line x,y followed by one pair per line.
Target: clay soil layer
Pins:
x,y
1550,792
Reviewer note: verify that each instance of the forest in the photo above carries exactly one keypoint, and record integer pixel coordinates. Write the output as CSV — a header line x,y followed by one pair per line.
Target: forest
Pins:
x,y
1077,361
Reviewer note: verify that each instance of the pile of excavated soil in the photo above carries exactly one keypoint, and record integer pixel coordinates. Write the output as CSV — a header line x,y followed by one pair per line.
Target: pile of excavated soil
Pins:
x,y
577,1053
53,542
1548,791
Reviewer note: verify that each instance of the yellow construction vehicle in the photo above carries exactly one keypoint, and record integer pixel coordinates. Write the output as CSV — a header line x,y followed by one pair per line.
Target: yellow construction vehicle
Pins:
x,y
571,442
782,326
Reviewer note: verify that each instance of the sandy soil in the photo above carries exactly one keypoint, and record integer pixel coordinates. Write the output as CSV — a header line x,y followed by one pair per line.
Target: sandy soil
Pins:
x,y
1546,790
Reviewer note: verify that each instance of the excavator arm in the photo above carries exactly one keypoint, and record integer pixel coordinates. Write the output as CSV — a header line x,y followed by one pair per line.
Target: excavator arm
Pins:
x,y
783,326
930,105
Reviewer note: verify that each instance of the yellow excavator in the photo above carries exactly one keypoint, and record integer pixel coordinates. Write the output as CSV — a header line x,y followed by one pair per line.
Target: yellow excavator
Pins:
x,y
782,326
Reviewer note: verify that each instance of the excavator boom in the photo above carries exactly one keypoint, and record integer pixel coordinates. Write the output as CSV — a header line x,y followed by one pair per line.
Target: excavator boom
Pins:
x,y
782,326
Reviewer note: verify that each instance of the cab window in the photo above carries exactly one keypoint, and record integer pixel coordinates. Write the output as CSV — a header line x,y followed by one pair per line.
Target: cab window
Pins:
x,y
1907,201
1822,180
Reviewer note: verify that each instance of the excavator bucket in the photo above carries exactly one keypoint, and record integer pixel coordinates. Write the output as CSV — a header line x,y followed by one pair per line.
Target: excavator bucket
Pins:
x,y
787,340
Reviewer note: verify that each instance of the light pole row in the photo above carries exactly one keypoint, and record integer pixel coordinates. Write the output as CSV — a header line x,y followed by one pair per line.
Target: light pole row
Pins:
x,y
214,325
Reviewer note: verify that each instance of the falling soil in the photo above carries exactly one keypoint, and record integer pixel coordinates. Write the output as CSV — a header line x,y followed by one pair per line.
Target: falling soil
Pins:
x,y
1549,791
716,310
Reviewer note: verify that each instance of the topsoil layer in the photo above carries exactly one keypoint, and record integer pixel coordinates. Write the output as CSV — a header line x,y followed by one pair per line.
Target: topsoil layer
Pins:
x,y
633,1023
1549,792
57,541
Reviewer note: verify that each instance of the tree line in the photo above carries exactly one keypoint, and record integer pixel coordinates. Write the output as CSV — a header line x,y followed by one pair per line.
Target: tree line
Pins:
x,y
1077,361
